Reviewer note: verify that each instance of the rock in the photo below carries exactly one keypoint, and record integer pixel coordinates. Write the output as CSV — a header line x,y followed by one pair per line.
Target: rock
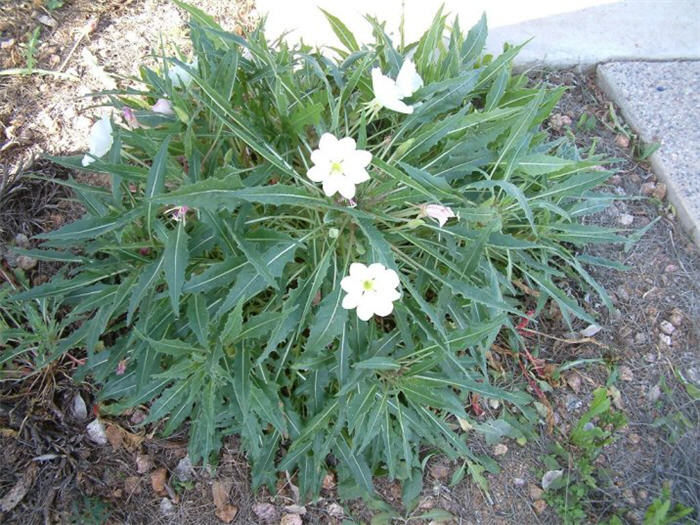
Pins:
x,y
654,394
648,188
667,327
78,407
676,317
626,219
642,495
519,482
665,340
659,191
291,519
558,121
7,44
183,471
47,20
25,262
626,373
265,511
670,268
550,477
629,497
590,330
622,141
534,491
439,471
634,438
167,507
573,403
540,505
144,463
650,357
640,338
335,511
96,432
500,450
21,240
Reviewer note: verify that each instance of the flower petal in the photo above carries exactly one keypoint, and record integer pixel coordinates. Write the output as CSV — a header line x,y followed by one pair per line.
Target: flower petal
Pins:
x,y
365,310
163,106
383,308
331,184
408,79
327,143
351,301
100,138
360,157
355,174
318,173
346,147
358,271
346,187
350,283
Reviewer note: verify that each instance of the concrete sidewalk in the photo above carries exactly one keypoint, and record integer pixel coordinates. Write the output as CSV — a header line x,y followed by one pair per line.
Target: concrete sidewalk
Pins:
x,y
661,102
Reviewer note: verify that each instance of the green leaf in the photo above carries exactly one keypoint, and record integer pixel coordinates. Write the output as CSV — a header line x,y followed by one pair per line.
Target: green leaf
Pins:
x,y
198,318
342,32
356,464
329,320
175,258
378,363
155,183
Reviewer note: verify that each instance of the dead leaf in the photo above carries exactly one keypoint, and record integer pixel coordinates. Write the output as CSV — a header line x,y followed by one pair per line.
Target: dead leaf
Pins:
x,y
291,519
132,485
540,505
328,482
144,463
20,489
224,510
295,509
79,408
114,436
264,511
574,382
158,478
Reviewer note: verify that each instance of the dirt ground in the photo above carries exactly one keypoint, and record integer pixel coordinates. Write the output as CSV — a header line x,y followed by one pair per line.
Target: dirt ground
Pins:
x,y
140,478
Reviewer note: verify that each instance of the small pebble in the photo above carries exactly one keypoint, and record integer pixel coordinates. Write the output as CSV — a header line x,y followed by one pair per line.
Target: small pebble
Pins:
x,y
25,262
534,491
21,240
671,268
573,403
622,141
626,219
626,373
500,450
639,338
166,506
634,438
648,188
660,191
540,505
676,318
667,327
665,339
654,393
519,482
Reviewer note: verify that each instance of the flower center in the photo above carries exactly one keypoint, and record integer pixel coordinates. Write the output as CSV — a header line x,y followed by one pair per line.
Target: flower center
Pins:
x,y
336,167
368,285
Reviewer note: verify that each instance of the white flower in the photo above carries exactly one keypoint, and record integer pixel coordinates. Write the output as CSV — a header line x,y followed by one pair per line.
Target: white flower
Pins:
x,y
438,212
179,76
370,289
339,166
389,92
99,141
163,106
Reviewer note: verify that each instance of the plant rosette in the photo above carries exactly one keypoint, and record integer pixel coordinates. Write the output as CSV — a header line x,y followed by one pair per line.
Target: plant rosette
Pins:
x,y
316,254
